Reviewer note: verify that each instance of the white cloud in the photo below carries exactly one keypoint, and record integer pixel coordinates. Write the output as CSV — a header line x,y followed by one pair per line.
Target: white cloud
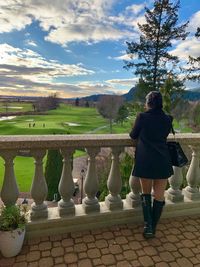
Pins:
x,y
81,33
135,9
38,89
123,82
64,89
31,43
116,71
28,61
92,88
25,72
194,22
134,22
13,16
190,46
28,70
68,50
124,57
65,20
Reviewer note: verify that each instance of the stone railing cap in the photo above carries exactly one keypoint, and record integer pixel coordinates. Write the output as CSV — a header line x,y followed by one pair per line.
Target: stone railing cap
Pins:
x,y
81,141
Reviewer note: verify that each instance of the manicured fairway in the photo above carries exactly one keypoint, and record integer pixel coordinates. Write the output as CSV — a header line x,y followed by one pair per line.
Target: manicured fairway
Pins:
x,y
65,120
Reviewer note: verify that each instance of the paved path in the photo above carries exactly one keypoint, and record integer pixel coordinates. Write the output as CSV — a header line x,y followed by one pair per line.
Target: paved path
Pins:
x,y
177,245
97,129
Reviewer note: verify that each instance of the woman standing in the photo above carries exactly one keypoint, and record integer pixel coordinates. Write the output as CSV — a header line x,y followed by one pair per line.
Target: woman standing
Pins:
x,y
152,160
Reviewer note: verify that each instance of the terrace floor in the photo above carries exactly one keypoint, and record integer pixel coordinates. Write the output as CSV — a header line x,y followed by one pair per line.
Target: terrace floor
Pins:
x,y
177,243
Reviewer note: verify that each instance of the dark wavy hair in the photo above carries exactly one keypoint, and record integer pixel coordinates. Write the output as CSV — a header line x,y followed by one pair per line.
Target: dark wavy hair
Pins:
x,y
154,100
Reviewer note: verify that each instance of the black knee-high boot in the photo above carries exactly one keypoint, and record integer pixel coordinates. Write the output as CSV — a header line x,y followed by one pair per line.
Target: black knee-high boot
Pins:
x,y
156,213
147,213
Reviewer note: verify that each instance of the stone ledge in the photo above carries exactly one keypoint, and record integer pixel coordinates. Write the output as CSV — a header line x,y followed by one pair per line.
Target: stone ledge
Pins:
x,y
22,142
81,221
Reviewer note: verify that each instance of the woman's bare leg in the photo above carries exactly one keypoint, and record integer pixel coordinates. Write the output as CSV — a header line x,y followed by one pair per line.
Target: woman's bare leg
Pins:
x,y
146,185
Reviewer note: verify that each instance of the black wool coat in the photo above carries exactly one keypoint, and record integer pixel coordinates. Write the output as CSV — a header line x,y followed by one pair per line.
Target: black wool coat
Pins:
x,y
152,159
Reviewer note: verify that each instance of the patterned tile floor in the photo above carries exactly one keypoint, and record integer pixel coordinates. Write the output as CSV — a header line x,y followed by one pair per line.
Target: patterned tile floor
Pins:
x,y
177,243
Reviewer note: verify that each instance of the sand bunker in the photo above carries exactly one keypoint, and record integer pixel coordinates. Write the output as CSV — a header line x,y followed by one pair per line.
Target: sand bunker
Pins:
x,y
14,107
72,124
4,118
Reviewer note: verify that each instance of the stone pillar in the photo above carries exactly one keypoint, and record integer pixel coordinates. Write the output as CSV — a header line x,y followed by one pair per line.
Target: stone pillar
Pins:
x,y
39,188
66,185
91,183
193,176
113,200
133,198
9,191
174,193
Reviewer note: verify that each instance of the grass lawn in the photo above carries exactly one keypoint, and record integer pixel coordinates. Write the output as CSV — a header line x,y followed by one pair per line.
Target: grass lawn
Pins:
x,y
181,126
118,128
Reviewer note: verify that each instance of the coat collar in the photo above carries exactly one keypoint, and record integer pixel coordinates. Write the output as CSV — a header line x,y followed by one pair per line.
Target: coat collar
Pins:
x,y
155,111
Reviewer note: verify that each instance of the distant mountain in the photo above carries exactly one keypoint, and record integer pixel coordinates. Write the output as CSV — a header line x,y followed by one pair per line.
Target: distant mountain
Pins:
x,y
130,95
192,94
93,98
127,97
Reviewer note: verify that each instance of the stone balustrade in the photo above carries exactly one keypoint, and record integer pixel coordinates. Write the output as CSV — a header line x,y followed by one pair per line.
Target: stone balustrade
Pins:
x,y
91,213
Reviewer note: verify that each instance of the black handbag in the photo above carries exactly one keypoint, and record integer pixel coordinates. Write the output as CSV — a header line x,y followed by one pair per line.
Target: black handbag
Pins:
x,y
178,157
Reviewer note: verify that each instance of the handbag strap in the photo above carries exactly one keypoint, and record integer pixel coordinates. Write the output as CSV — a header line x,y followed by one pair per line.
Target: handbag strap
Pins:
x,y
172,128
173,131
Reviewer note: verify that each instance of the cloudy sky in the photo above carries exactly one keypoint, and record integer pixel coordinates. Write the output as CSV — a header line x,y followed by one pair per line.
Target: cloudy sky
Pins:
x,y
76,47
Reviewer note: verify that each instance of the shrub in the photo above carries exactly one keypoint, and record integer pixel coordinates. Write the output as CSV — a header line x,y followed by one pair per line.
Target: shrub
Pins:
x,y
126,164
53,170
13,217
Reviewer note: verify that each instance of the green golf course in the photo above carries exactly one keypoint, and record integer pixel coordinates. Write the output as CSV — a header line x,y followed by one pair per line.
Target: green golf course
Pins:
x,y
66,119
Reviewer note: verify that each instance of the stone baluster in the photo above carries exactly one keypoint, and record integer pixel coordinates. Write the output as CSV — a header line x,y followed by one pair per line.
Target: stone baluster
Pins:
x,y
113,200
66,185
91,183
193,176
174,193
9,192
133,198
39,188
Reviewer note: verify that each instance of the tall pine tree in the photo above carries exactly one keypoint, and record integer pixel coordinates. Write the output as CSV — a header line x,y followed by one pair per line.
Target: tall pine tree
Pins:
x,y
194,63
172,86
152,50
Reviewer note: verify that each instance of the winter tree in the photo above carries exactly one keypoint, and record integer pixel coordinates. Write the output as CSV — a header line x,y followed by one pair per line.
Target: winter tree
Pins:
x,y
108,106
